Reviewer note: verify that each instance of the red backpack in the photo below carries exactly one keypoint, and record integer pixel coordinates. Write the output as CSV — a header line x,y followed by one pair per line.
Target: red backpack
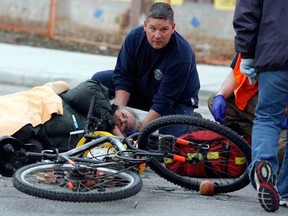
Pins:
x,y
222,159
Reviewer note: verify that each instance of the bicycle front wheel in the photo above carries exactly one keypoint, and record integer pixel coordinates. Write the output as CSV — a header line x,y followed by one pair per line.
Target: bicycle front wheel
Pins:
x,y
215,152
65,182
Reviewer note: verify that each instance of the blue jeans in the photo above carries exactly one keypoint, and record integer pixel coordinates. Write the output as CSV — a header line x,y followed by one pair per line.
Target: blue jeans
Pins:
x,y
176,110
136,101
272,101
105,78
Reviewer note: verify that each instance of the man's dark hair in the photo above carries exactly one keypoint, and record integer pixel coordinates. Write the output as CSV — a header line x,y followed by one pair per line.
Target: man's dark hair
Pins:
x,y
161,10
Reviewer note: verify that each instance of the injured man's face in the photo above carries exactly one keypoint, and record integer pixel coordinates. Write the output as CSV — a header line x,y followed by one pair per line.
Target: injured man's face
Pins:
x,y
126,119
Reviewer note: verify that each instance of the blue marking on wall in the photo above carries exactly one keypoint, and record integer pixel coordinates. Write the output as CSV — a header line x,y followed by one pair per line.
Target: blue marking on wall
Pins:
x,y
195,22
98,13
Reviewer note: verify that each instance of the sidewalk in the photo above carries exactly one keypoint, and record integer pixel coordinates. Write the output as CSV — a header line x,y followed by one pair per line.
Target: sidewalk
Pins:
x,y
34,66
31,66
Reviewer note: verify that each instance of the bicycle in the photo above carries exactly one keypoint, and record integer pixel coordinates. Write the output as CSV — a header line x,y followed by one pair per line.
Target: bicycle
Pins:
x,y
81,175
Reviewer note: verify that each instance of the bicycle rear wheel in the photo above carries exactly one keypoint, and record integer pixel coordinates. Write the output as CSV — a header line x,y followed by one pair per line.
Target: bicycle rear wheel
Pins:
x,y
65,182
216,153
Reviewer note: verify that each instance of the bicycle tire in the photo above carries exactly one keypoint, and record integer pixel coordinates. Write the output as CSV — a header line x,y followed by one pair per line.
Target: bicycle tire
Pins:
x,y
109,184
222,185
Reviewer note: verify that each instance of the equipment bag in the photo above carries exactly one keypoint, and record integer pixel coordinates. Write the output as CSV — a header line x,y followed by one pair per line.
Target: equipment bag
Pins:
x,y
221,158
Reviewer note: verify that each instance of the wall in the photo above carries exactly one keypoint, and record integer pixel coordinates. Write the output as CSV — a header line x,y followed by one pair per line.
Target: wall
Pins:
x,y
191,17
31,10
199,18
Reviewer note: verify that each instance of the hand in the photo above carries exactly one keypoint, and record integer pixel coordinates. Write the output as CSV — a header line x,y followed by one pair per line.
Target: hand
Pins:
x,y
219,108
117,132
247,69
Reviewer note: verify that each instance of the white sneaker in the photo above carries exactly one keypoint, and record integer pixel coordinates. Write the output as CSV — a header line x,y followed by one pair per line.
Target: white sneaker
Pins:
x,y
283,202
267,193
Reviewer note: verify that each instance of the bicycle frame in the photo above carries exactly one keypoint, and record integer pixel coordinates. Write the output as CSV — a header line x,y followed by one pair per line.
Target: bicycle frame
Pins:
x,y
92,172
166,143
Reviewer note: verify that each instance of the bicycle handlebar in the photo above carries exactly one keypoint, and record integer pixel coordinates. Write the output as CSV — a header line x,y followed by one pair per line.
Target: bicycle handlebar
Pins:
x,y
41,155
90,115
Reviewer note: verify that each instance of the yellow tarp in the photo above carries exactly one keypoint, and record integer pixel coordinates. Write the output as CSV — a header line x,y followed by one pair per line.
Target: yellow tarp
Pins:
x,y
34,107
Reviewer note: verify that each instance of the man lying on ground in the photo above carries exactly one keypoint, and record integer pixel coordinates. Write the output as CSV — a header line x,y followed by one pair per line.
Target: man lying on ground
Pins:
x,y
45,115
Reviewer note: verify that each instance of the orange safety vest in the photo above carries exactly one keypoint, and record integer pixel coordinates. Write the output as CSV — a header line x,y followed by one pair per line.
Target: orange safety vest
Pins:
x,y
243,90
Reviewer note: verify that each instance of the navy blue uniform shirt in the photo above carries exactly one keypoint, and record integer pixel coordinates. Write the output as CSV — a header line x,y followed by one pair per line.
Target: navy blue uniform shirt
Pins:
x,y
163,77
261,33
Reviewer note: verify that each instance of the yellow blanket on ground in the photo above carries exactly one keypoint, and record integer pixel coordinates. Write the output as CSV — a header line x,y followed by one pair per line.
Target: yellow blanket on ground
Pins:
x,y
34,106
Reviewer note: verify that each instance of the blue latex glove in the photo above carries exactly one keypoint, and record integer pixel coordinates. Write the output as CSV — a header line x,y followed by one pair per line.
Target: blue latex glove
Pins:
x,y
247,69
219,108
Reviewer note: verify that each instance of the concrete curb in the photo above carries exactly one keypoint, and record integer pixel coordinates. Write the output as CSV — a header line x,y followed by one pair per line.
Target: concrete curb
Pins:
x,y
12,77
29,79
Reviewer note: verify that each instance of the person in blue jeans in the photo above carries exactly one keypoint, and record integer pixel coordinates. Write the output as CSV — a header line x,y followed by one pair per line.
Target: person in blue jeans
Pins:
x,y
233,105
262,39
155,69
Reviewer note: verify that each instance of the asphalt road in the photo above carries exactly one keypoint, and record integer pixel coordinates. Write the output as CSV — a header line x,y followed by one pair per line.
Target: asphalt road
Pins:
x,y
158,197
